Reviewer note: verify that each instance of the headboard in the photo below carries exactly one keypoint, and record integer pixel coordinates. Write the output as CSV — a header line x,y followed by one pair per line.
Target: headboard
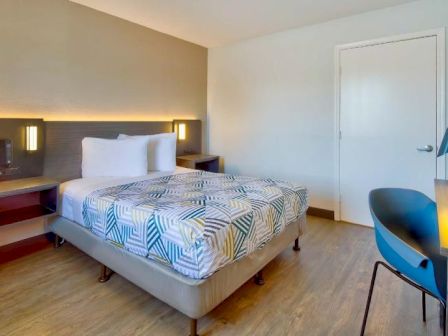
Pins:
x,y
63,151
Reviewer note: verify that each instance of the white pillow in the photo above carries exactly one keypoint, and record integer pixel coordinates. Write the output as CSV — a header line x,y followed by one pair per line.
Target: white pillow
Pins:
x,y
106,157
161,150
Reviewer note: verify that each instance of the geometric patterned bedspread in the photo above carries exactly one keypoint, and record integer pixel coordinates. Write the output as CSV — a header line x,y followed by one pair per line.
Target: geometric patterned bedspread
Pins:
x,y
196,222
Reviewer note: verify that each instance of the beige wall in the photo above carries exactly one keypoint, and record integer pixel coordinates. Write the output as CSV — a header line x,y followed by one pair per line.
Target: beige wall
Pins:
x,y
63,61
271,99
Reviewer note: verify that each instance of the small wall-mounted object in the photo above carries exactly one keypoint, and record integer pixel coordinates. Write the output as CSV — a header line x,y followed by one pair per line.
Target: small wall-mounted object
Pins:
x,y
6,168
189,136
23,163
5,153
180,128
182,132
31,138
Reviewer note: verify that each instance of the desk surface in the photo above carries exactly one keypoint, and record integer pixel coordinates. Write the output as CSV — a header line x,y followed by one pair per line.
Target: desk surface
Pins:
x,y
198,158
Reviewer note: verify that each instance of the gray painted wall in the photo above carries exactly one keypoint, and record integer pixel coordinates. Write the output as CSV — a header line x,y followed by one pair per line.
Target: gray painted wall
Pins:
x,y
63,61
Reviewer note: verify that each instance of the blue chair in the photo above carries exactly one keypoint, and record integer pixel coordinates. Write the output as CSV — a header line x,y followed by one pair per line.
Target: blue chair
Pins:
x,y
407,236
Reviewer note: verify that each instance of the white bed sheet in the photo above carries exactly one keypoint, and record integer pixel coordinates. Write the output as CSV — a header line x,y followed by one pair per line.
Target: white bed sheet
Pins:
x,y
72,193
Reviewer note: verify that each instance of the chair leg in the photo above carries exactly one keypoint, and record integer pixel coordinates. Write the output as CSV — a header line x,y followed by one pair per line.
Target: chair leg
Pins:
x,y
444,321
296,246
369,299
193,327
424,306
413,284
105,274
442,316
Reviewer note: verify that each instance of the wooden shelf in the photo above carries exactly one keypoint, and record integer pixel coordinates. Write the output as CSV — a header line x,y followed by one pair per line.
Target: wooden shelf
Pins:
x,y
25,199
24,247
22,200
25,213
205,162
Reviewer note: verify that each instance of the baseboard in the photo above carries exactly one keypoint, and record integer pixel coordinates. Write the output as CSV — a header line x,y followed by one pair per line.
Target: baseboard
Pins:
x,y
25,247
323,213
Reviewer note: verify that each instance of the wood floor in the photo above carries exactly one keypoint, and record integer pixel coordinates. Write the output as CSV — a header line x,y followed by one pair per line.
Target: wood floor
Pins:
x,y
320,291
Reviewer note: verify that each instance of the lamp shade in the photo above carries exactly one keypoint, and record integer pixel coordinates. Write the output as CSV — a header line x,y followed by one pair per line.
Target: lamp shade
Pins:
x,y
443,149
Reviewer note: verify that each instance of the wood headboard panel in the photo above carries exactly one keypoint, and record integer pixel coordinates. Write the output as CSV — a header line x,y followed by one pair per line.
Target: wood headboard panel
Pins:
x,y
63,154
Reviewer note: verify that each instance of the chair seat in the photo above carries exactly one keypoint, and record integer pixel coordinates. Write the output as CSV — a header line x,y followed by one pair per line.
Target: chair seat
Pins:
x,y
422,275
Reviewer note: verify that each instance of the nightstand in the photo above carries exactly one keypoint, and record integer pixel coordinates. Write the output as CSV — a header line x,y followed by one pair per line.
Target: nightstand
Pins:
x,y
27,198
205,162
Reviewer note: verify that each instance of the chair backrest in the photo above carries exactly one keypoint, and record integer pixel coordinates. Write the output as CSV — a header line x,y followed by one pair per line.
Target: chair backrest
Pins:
x,y
412,217
409,214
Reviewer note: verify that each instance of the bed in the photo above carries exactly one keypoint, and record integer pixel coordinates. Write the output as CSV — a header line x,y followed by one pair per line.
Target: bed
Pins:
x,y
189,238
107,218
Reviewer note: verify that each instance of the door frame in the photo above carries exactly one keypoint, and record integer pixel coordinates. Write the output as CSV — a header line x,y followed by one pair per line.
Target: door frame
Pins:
x,y
441,114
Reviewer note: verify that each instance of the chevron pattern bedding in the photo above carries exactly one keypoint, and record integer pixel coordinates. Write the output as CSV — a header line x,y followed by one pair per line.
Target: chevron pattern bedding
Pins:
x,y
196,223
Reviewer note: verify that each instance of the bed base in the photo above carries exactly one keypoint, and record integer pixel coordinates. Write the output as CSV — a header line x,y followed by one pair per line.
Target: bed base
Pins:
x,y
195,297
106,273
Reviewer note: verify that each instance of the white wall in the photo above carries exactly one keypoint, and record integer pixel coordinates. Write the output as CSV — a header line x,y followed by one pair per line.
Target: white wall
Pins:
x,y
270,99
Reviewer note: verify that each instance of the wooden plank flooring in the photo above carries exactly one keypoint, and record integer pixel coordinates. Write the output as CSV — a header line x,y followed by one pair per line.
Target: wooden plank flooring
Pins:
x,y
320,291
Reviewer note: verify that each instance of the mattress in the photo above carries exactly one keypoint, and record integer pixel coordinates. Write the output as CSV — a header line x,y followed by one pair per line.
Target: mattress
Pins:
x,y
195,222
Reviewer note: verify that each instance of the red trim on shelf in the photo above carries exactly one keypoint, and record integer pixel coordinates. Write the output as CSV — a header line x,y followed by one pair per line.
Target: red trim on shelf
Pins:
x,y
18,215
24,247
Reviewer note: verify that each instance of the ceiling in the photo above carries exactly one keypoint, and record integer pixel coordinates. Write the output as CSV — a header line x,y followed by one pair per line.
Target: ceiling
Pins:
x,y
212,23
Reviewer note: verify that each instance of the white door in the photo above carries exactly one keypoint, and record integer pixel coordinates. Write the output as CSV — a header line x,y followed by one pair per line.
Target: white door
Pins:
x,y
388,121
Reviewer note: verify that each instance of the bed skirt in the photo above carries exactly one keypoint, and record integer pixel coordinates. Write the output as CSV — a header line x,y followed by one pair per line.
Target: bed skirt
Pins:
x,y
192,297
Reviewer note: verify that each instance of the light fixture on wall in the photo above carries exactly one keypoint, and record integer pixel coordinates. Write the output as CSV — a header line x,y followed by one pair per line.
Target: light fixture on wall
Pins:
x,y
180,128
31,138
182,131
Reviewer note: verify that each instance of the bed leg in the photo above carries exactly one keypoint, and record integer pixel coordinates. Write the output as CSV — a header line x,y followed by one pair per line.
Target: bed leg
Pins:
x,y
258,279
105,274
57,243
193,327
296,246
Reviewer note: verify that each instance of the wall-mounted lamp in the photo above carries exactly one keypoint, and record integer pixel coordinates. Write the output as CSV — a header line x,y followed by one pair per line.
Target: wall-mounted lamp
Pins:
x,y
180,128
31,138
182,131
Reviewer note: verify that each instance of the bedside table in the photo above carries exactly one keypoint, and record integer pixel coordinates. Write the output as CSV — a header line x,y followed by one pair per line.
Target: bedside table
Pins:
x,y
205,162
27,198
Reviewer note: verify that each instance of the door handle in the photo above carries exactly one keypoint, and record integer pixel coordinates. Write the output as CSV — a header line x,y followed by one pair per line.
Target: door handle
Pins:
x,y
427,148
